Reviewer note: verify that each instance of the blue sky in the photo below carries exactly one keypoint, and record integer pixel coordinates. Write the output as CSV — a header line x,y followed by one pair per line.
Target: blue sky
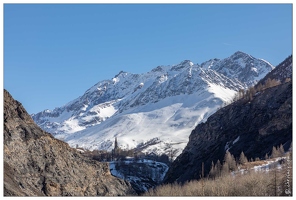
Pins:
x,y
54,52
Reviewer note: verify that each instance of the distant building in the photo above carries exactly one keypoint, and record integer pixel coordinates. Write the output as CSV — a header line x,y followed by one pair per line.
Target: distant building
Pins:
x,y
115,150
115,144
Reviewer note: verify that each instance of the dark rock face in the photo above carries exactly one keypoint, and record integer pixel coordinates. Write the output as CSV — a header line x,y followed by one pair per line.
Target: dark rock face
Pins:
x,y
36,164
252,127
281,72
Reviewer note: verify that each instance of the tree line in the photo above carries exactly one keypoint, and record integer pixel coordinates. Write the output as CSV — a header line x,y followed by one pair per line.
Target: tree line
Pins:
x,y
249,94
120,154
230,164
221,182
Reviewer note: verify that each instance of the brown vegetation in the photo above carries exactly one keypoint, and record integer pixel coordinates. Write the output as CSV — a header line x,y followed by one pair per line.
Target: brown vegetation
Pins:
x,y
272,183
251,91
225,180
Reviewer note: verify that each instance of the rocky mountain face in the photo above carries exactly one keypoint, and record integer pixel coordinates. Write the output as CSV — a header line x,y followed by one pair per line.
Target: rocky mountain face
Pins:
x,y
252,126
162,105
240,66
281,72
37,164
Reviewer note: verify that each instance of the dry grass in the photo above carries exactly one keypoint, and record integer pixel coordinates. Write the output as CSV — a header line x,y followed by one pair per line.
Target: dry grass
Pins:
x,y
249,165
251,184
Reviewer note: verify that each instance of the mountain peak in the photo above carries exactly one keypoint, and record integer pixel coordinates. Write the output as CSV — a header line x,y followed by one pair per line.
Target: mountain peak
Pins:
x,y
121,73
186,62
240,54
182,65
208,64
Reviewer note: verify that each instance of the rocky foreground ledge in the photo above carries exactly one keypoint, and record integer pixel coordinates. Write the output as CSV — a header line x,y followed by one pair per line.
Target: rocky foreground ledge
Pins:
x,y
36,164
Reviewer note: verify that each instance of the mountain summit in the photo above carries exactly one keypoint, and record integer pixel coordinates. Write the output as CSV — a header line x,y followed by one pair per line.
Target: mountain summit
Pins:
x,y
162,105
241,66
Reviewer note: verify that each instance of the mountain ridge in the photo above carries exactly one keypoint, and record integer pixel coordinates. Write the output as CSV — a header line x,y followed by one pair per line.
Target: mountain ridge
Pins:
x,y
184,91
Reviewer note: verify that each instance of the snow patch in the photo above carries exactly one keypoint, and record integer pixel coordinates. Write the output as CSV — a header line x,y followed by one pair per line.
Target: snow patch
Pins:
x,y
254,69
236,140
266,62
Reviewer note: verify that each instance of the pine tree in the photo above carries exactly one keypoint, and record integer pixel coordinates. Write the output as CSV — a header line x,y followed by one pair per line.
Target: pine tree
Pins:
x,y
229,163
267,83
242,159
266,156
281,150
251,93
259,88
225,169
271,83
275,152
287,80
218,168
213,172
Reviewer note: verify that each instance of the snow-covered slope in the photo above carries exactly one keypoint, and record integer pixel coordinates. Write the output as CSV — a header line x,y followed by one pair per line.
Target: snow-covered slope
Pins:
x,y
161,106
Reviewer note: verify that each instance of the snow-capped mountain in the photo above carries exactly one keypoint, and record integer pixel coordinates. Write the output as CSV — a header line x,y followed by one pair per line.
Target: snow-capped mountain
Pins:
x,y
159,107
240,66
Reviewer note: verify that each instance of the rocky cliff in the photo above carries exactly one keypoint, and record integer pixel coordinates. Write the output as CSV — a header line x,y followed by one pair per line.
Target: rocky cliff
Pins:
x,y
281,73
253,127
36,164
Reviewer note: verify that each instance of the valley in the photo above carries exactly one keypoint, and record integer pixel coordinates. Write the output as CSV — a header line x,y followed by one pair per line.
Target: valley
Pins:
x,y
189,127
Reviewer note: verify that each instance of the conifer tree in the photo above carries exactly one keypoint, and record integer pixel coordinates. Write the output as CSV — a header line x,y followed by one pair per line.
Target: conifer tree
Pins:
x,y
229,163
251,93
218,168
266,156
225,169
213,172
281,150
275,152
242,159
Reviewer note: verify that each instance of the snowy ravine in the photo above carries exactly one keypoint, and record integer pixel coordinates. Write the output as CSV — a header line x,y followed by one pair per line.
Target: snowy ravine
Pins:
x,y
162,105
143,174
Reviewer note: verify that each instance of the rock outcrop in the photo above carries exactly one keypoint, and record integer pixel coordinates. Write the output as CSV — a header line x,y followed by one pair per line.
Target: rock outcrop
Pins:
x,y
36,164
253,127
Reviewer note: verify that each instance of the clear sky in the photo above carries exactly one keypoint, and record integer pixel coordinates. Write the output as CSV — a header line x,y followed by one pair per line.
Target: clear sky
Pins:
x,y
54,52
